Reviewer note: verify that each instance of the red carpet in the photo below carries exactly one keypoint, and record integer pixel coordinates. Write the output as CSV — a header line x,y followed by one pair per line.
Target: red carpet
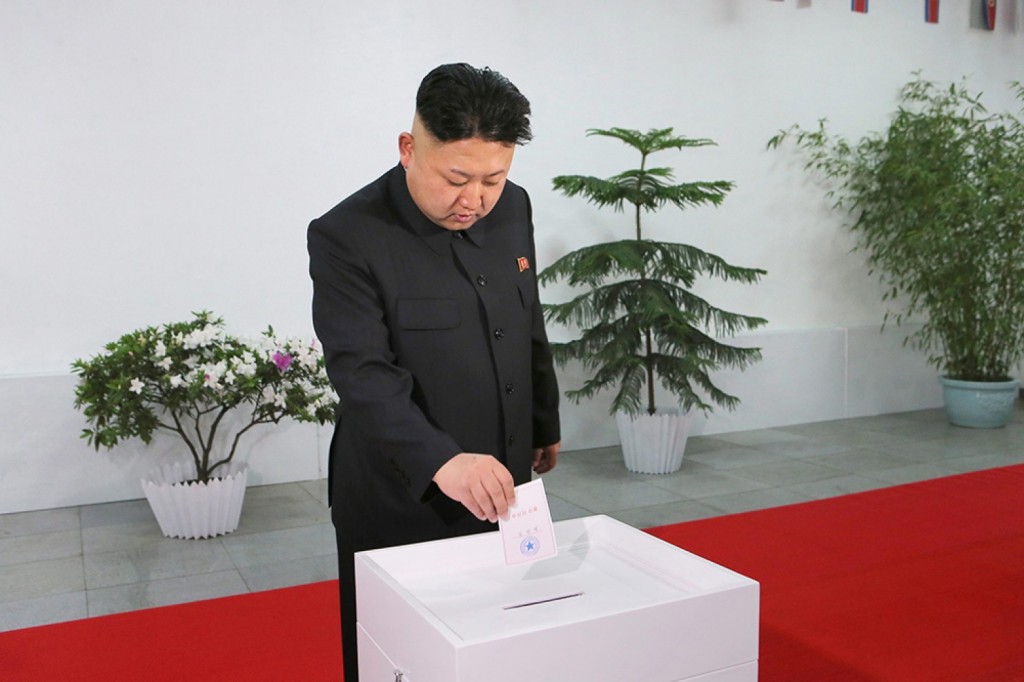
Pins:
x,y
918,582
291,634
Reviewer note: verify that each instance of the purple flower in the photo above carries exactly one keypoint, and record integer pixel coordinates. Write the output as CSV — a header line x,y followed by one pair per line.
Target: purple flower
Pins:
x,y
282,360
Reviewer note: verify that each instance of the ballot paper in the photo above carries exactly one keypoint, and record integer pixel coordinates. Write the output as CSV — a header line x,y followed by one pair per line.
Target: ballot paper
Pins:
x,y
528,534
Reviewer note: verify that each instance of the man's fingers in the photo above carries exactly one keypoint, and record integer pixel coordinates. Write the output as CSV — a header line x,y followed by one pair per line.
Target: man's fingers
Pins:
x,y
505,494
469,503
491,491
544,459
482,501
480,482
540,461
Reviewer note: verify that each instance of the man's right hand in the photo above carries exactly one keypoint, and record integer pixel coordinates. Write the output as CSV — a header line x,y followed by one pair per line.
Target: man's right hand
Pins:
x,y
480,483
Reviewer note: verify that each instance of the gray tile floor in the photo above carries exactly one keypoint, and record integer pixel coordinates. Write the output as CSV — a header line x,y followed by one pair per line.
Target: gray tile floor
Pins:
x,y
64,564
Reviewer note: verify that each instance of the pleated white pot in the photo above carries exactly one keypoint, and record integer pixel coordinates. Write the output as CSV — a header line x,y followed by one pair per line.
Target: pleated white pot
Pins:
x,y
654,444
196,510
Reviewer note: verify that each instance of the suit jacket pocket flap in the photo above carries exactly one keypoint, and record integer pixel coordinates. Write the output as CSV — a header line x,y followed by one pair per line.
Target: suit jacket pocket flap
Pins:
x,y
526,295
428,313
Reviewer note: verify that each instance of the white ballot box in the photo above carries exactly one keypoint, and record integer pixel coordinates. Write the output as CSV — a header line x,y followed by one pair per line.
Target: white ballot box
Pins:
x,y
615,605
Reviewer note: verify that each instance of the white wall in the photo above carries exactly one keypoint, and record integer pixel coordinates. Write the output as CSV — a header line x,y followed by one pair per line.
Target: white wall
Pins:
x,y
159,156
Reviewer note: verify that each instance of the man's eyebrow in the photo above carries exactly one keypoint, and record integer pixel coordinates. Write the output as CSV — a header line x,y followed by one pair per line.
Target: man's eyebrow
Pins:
x,y
469,175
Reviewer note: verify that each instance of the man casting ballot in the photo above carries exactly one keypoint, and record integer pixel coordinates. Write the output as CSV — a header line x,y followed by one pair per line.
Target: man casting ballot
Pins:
x,y
425,301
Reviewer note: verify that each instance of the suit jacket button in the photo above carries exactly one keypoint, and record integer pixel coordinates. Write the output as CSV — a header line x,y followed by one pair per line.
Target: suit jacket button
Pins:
x,y
457,235
511,439
499,333
481,280
510,389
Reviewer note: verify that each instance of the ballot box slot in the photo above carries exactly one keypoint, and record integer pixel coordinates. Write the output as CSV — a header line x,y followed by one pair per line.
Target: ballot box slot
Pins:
x,y
535,602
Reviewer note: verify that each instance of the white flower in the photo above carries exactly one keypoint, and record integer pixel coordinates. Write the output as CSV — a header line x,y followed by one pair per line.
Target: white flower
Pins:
x,y
279,400
308,356
213,373
216,370
246,365
165,363
266,345
177,380
160,349
137,386
199,338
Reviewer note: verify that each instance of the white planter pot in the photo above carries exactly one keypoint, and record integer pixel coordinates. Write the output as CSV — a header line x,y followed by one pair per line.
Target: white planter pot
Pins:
x,y
654,444
196,510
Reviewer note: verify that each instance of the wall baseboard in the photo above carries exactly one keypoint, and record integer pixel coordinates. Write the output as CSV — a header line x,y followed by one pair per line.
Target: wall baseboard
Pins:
x,y
805,376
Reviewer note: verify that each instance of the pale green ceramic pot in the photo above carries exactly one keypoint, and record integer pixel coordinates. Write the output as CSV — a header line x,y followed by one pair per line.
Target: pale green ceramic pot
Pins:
x,y
979,404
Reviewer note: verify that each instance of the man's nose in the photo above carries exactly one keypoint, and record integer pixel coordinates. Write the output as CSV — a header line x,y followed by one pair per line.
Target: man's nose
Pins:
x,y
470,196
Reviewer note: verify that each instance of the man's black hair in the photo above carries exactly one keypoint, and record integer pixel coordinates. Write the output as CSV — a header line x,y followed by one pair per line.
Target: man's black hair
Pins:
x,y
459,102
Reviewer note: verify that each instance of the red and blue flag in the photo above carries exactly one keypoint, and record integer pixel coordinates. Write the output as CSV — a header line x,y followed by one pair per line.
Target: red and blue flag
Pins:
x,y
988,9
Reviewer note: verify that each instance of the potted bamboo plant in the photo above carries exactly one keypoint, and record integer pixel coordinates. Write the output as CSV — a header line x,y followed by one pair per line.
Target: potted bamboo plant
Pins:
x,y
639,323
936,202
208,388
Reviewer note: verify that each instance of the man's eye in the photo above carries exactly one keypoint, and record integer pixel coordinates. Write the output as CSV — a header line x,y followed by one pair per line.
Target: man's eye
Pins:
x,y
455,183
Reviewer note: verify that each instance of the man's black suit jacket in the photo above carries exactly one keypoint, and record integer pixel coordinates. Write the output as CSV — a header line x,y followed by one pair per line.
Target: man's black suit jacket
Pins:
x,y
435,343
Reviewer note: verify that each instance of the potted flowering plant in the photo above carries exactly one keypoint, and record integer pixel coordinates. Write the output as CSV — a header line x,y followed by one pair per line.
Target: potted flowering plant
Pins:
x,y
187,378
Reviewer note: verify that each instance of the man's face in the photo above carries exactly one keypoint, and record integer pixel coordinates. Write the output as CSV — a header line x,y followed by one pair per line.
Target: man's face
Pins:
x,y
455,183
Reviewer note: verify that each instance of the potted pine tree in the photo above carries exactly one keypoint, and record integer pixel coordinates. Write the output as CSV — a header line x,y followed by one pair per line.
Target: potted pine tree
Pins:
x,y
639,323
936,201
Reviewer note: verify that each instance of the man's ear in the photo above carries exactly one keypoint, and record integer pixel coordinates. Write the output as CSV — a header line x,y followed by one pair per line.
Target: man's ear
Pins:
x,y
405,148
